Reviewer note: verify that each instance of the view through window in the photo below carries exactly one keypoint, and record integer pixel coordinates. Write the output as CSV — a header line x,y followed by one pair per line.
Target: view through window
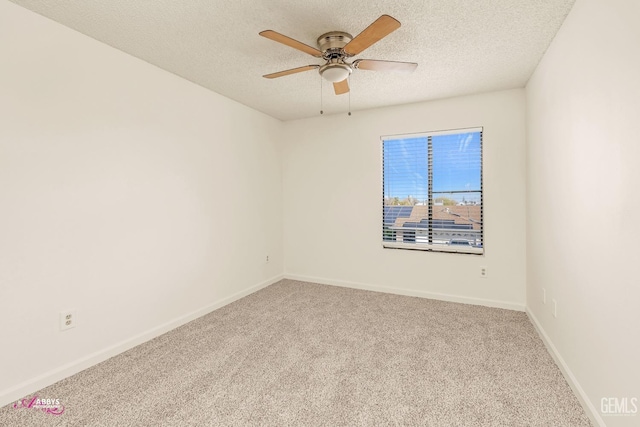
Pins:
x,y
432,191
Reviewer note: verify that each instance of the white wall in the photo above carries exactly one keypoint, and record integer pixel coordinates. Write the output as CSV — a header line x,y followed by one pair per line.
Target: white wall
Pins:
x,y
127,193
333,213
583,120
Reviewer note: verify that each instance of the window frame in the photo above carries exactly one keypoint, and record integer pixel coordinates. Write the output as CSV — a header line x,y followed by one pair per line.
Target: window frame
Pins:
x,y
430,247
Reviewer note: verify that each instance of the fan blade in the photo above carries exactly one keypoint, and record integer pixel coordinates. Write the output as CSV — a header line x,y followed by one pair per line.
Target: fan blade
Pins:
x,y
341,87
380,28
291,71
375,65
280,38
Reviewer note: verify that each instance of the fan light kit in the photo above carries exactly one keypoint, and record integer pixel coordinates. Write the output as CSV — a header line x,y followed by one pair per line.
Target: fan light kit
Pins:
x,y
335,47
335,72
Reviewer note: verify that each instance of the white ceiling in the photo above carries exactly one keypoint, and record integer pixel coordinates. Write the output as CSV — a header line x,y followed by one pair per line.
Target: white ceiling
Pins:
x,y
461,46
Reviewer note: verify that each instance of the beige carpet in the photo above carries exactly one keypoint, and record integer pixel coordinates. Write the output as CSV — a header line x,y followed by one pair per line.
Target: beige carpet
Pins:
x,y
313,355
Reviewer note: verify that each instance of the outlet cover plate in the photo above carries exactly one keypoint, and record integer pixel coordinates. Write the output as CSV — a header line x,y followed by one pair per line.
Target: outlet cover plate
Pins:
x,y
68,319
483,272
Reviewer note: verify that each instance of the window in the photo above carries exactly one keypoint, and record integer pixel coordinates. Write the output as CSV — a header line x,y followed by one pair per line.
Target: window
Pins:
x,y
432,191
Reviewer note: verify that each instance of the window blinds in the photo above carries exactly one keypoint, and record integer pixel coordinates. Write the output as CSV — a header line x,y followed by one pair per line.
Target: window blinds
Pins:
x,y
432,191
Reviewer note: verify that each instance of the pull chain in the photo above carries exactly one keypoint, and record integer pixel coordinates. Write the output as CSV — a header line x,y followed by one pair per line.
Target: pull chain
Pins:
x,y
321,112
349,82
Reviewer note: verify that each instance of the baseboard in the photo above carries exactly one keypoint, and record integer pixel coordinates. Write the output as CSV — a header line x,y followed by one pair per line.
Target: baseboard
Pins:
x,y
30,386
586,403
408,292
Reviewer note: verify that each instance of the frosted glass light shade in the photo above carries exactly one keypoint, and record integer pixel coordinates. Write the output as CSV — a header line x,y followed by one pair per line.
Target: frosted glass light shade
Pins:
x,y
336,73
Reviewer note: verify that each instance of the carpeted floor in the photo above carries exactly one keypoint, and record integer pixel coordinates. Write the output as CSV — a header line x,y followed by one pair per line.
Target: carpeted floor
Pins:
x,y
313,355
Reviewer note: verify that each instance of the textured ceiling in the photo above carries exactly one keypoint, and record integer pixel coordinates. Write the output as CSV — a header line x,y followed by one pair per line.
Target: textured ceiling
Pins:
x,y
461,46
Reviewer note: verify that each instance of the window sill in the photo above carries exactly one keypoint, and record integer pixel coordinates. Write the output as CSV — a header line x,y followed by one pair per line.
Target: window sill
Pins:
x,y
433,248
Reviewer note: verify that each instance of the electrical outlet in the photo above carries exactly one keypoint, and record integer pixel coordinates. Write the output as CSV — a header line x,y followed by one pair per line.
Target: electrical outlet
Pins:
x,y
267,258
67,320
555,308
544,296
483,272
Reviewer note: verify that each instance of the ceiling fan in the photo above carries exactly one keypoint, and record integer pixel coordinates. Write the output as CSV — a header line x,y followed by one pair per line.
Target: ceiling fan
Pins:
x,y
335,47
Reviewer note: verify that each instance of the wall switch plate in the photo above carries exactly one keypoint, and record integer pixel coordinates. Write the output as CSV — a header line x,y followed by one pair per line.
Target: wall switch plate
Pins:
x,y
67,320
555,308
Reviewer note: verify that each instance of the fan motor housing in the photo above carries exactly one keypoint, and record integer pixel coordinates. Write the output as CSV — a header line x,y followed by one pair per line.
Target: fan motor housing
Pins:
x,y
334,40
